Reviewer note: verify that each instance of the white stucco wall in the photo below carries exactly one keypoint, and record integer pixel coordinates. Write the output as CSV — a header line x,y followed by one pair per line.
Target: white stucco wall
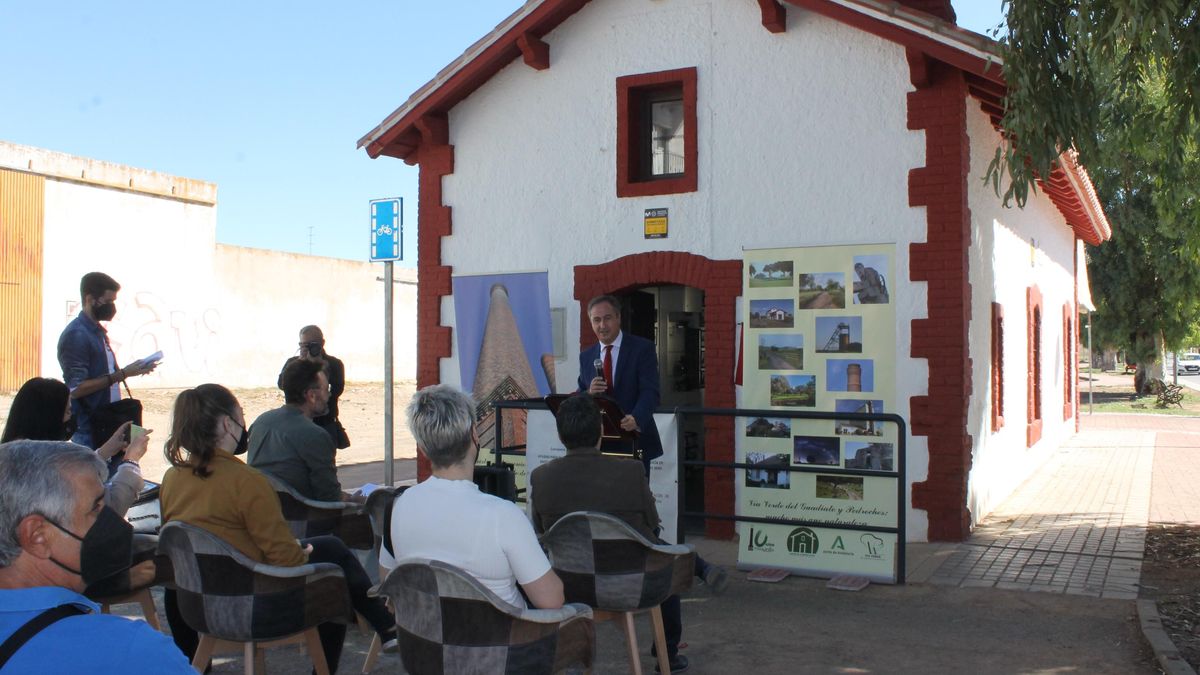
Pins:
x,y
1003,265
158,249
270,295
218,313
802,142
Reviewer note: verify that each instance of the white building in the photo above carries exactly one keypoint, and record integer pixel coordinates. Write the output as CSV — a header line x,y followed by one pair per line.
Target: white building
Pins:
x,y
219,313
760,125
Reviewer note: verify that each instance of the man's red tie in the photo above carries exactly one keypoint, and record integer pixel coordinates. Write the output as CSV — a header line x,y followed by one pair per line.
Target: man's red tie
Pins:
x,y
608,367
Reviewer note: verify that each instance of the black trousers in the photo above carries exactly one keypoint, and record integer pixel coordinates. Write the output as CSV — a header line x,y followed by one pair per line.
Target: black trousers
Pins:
x,y
326,549
672,615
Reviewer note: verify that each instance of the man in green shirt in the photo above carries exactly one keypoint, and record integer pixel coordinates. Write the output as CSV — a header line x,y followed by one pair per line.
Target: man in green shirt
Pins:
x,y
288,445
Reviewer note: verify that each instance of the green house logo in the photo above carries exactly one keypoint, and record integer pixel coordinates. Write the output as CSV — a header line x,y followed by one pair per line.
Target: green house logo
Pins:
x,y
804,541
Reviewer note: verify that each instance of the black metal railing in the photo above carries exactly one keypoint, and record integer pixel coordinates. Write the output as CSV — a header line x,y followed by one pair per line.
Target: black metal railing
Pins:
x,y
900,463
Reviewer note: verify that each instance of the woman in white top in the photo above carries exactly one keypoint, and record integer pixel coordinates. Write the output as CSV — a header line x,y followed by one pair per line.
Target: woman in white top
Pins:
x,y
447,518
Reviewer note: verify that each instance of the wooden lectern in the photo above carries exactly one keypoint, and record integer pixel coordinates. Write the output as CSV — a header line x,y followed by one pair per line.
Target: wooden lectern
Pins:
x,y
613,439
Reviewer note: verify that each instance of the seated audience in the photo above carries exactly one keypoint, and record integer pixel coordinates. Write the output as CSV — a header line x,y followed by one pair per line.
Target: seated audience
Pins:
x,y
209,487
447,518
41,411
586,480
56,536
287,444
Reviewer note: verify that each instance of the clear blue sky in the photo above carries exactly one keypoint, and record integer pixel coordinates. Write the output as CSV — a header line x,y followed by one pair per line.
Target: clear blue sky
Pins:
x,y
265,98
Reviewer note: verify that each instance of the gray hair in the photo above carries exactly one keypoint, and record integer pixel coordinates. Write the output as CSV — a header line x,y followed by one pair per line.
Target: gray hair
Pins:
x,y
440,418
35,478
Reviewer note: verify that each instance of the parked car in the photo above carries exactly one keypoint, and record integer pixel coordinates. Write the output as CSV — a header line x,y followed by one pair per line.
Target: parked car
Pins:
x,y
1188,364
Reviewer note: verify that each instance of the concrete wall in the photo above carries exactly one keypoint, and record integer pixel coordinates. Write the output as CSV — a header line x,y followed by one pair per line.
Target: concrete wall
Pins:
x,y
813,152
161,252
218,313
267,296
1003,265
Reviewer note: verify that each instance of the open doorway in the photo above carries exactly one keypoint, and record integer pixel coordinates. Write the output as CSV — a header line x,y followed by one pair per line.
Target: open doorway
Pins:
x,y
672,316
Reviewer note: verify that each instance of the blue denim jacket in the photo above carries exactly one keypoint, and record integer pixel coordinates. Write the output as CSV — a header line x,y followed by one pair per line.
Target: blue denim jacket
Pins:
x,y
83,355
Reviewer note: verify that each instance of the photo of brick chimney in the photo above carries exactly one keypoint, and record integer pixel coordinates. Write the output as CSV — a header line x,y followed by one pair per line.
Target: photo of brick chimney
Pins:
x,y
503,373
854,377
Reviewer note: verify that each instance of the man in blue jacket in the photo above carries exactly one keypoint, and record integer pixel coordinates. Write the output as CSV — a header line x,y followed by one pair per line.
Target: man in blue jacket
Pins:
x,y
628,374
56,537
88,364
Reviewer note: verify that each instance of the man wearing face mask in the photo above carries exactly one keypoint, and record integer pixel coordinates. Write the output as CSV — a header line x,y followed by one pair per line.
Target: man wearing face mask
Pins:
x,y
56,537
86,358
312,348
287,444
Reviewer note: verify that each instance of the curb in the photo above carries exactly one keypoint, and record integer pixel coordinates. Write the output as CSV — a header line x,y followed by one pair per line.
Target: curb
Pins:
x,y
1165,651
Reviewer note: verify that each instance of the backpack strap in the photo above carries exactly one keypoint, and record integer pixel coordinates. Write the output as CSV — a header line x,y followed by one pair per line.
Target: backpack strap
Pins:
x,y
34,626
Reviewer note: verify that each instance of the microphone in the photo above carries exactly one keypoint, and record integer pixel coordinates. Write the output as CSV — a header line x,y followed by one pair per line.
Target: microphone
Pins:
x,y
599,368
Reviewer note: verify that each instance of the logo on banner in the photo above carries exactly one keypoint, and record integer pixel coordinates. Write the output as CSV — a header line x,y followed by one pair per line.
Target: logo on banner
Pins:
x,y
874,545
759,541
803,541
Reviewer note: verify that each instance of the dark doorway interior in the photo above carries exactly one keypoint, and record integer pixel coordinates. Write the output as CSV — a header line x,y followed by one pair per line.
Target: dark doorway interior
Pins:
x,y
672,316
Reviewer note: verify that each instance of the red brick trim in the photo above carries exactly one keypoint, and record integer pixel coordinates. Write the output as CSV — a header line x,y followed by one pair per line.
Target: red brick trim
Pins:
x,y
997,366
939,108
774,15
628,118
1035,322
535,52
434,222
1068,340
721,281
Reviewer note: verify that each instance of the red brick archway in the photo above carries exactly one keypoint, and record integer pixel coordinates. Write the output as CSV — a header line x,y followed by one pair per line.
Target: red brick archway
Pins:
x,y
721,281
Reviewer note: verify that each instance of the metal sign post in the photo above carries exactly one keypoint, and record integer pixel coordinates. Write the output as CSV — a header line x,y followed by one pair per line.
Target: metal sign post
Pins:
x,y
387,230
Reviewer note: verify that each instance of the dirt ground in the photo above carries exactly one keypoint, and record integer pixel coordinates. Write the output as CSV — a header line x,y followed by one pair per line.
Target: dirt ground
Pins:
x,y
1171,577
360,410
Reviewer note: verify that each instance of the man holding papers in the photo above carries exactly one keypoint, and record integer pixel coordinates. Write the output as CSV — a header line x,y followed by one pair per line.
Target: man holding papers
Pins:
x,y
87,360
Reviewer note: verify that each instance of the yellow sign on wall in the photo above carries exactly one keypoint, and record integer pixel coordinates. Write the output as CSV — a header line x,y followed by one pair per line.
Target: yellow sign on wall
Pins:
x,y
655,223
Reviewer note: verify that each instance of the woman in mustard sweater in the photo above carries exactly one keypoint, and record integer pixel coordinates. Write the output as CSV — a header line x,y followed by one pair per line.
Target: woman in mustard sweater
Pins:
x,y
209,487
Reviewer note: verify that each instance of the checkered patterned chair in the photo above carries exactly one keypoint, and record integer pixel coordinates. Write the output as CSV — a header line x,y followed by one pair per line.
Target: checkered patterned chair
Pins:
x,y
311,518
450,623
379,508
119,590
606,564
223,595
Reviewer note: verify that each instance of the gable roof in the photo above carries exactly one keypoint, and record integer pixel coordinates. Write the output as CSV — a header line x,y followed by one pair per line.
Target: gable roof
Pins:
x,y
1068,186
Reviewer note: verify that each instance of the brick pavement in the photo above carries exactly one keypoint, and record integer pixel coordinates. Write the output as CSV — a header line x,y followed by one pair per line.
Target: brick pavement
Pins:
x,y
1077,525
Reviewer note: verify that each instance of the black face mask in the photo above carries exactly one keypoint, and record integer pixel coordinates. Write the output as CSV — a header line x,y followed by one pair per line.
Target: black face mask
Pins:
x,y
107,548
105,312
69,428
243,443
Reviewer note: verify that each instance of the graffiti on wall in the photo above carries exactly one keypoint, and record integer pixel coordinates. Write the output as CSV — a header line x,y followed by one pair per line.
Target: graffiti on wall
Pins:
x,y
189,339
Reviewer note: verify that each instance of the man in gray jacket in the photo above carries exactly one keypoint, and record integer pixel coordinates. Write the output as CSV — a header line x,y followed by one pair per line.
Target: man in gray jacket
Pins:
x,y
287,444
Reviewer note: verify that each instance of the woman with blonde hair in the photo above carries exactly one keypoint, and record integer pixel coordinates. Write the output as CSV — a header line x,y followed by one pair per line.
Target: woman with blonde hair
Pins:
x,y
209,487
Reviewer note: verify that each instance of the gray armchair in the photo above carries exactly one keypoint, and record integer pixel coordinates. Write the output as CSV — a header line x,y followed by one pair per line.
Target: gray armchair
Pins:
x,y
310,518
225,596
606,564
450,623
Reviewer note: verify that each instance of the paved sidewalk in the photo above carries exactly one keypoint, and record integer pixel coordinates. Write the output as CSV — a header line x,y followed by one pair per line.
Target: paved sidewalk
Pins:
x,y
1077,525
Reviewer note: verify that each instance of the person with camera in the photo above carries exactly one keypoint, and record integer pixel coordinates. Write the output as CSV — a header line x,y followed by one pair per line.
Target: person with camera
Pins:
x,y
312,348
87,360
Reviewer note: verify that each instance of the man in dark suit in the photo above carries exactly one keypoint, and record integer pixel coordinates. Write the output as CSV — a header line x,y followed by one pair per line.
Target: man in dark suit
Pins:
x,y
629,374
585,480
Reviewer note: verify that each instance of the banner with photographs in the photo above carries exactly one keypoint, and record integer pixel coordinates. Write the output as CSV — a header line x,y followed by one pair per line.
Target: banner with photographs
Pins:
x,y
820,336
